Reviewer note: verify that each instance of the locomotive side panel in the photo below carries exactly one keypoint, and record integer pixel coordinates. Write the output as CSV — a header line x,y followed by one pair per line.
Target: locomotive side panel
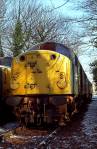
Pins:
x,y
76,66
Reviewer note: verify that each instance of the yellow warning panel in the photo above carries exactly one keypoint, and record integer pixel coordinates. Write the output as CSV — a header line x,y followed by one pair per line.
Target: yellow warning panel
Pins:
x,y
41,72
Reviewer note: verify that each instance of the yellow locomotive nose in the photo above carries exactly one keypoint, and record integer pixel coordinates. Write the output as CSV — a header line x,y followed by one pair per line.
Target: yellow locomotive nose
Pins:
x,y
40,72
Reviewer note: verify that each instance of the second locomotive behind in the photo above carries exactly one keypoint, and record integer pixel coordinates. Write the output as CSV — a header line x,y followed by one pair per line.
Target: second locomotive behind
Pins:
x,y
50,83
5,71
5,92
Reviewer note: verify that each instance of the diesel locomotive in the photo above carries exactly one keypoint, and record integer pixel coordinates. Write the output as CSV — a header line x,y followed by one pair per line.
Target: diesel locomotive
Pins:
x,y
5,92
48,84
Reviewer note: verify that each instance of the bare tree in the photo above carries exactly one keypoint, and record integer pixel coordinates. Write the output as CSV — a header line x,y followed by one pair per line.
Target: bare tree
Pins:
x,y
2,13
90,23
39,24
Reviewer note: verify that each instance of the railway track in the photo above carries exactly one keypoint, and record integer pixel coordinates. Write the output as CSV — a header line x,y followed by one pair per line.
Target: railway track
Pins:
x,y
47,139
12,135
9,127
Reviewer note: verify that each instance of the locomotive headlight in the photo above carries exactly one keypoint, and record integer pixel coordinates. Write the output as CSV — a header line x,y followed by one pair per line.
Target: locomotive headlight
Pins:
x,y
53,57
22,58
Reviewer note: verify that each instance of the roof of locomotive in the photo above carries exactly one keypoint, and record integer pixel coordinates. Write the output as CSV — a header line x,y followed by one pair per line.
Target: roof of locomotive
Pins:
x,y
53,46
3,66
6,61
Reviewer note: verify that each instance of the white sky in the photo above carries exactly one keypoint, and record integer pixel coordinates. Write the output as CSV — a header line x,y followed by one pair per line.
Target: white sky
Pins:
x,y
67,9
